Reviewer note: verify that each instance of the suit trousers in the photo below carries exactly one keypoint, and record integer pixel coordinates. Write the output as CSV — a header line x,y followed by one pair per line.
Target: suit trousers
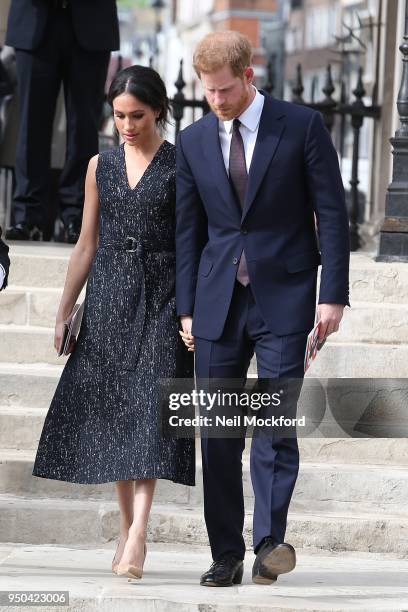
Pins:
x,y
274,460
59,59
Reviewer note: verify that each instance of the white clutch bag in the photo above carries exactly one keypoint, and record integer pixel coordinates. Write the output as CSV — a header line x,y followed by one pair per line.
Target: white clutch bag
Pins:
x,y
71,328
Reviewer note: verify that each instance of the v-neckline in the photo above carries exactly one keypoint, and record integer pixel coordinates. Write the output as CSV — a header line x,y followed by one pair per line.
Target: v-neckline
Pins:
x,y
145,171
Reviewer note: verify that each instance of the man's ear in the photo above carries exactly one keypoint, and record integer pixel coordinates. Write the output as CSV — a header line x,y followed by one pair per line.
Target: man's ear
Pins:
x,y
249,74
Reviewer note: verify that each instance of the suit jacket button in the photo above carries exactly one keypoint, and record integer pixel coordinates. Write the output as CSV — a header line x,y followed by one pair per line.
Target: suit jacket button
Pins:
x,y
235,260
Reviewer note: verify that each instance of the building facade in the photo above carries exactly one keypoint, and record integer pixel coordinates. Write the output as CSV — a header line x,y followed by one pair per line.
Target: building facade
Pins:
x,y
189,21
348,34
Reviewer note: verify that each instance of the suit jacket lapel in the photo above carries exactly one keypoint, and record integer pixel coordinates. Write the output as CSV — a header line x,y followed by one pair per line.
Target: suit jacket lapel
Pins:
x,y
215,162
271,127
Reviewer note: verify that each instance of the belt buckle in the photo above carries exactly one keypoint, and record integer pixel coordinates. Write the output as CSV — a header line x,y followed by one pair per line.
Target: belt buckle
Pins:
x,y
133,246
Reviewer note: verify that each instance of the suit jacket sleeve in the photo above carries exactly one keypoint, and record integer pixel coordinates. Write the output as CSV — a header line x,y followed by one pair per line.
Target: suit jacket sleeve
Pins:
x,y
191,233
326,191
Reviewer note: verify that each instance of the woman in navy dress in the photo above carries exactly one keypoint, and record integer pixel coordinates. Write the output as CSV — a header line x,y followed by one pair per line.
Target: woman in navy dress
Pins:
x,y
103,424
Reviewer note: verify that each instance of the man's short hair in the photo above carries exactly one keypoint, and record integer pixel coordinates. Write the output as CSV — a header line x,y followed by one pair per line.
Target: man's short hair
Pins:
x,y
219,49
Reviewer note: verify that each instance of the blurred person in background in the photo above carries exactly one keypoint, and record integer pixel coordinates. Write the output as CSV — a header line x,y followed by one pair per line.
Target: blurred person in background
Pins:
x,y
57,42
4,263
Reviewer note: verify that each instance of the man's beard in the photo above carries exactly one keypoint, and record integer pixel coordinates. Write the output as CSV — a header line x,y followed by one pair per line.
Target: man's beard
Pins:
x,y
231,112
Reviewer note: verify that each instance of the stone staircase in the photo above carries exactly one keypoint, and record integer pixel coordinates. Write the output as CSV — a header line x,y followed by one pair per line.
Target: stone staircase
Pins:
x,y
351,494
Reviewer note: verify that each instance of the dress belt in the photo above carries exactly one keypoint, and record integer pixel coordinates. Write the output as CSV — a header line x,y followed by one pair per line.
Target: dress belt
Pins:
x,y
130,244
132,332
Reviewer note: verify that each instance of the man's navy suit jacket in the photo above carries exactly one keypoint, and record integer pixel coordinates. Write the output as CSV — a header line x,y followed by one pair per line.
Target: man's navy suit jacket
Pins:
x,y
95,23
294,175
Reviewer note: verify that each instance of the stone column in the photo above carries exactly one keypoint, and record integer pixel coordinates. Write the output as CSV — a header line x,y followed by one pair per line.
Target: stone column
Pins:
x,y
381,166
394,231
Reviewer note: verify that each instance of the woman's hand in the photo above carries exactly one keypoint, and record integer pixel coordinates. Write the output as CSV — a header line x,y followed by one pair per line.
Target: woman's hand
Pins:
x,y
59,331
185,333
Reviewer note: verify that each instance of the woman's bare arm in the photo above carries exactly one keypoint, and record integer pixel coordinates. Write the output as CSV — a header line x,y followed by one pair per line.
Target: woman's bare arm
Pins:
x,y
83,253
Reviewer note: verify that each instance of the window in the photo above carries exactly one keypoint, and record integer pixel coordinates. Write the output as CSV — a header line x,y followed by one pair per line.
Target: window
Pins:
x,y
294,39
321,25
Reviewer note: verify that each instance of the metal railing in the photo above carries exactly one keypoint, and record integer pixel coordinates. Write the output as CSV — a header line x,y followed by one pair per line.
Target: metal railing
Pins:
x,y
356,111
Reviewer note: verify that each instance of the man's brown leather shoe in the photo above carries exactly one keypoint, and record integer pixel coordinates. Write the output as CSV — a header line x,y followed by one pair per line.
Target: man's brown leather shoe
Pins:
x,y
271,560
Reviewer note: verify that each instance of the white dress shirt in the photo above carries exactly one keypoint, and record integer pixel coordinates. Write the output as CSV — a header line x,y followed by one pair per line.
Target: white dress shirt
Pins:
x,y
249,119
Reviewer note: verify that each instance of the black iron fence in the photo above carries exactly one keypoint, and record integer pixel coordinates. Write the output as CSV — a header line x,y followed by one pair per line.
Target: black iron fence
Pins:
x,y
179,102
355,111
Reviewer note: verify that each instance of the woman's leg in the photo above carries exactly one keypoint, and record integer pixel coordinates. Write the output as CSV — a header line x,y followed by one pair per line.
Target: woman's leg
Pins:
x,y
125,491
133,553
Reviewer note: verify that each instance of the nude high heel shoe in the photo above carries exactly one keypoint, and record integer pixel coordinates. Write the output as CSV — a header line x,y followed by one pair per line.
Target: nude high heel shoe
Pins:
x,y
131,571
115,565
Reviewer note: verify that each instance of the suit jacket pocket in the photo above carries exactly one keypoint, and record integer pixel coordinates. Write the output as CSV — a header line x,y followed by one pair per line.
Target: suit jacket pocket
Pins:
x,y
303,261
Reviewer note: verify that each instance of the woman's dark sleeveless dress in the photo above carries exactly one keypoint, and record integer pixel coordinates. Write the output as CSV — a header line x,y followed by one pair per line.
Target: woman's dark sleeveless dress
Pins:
x,y
103,424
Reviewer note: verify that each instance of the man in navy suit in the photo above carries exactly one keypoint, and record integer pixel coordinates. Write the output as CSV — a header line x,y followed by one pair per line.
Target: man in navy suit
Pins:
x,y
68,42
252,177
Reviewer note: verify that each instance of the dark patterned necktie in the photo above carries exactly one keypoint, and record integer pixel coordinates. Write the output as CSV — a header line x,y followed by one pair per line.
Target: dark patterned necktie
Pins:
x,y
239,179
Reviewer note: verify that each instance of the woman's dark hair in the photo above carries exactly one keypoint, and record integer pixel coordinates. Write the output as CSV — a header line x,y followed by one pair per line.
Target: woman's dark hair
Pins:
x,y
145,84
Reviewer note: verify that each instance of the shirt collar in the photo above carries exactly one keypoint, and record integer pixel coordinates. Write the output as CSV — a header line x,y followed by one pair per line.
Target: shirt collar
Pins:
x,y
251,116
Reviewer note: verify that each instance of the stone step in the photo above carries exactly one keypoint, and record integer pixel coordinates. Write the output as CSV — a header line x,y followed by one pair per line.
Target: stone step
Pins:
x,y
94,522
30,306
319,488
29,344
28,385
363,322
372,281
20,428
38,265
24,387
335,582
380,451
372,323
356,360
45,265
360,360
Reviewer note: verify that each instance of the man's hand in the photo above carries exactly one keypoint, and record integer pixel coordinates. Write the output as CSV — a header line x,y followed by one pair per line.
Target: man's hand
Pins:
x,y
329,316
186,324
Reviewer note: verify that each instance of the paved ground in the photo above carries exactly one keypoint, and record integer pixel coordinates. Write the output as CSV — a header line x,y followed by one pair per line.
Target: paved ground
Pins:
x,y
335,582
